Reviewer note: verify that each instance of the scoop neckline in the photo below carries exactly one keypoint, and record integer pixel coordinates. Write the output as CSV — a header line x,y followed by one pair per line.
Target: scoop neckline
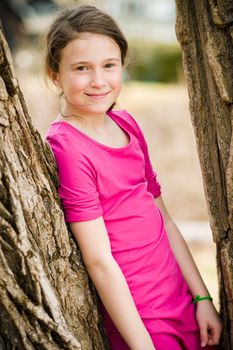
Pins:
x,y
114,149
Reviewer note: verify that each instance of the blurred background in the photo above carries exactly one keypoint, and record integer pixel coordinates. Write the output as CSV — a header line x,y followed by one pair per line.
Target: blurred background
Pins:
x,y
155,93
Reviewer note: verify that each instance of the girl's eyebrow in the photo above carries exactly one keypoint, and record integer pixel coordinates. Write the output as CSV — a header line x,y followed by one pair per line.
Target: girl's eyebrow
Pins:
x,y
86,62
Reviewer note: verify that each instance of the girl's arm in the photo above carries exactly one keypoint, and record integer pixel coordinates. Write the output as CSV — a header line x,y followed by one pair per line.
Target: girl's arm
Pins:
x,y
110,282
207,316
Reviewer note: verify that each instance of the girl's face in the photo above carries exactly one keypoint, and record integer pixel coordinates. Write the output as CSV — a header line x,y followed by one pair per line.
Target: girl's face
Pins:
x,y
90,74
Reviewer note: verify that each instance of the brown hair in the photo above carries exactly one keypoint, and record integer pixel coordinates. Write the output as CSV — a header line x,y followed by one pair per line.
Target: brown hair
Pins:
x,y
72,21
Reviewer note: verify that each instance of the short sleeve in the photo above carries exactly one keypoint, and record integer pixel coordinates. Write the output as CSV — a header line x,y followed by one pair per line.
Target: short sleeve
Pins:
x,y
77,184
151,176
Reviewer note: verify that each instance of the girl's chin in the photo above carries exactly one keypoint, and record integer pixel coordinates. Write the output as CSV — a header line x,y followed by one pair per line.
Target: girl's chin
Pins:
x,y
93,110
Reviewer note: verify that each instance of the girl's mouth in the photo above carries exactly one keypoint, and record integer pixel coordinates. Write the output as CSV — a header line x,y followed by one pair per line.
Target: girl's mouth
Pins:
x,y
98,96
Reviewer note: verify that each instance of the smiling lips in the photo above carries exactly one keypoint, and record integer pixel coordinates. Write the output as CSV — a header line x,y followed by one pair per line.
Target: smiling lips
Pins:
x,y
98,96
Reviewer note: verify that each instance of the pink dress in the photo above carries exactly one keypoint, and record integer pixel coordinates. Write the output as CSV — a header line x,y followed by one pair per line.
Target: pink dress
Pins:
x,y
120,185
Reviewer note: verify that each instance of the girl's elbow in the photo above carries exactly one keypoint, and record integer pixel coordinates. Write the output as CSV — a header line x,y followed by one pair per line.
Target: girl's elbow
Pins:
x,y
99,263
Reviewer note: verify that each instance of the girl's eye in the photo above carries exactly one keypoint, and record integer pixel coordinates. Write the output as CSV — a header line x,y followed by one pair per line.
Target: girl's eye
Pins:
x,y
109,65
81,68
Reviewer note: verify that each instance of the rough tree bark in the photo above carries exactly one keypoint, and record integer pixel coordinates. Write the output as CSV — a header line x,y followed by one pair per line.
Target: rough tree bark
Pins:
x,y
205,31
46,298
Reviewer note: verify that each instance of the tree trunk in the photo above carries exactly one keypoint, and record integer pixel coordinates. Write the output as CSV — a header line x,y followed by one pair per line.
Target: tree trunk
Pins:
x,y
47,300
204,29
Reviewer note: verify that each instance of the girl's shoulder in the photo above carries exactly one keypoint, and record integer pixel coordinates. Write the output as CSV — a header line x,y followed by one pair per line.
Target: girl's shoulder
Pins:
x,y
57,132
125,118
122,114
63,137
61,129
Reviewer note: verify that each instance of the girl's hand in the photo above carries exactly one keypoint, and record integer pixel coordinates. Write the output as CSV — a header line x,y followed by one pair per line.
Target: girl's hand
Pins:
x,y
209,323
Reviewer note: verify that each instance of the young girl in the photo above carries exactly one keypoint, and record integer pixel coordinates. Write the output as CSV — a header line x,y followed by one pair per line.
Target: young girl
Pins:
x,y
133,251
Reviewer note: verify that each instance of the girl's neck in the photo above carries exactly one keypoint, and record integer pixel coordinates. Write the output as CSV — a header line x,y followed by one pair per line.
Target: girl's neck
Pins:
x,y
86,122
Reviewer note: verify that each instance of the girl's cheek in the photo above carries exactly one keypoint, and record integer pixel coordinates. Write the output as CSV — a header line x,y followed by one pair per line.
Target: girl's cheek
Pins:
x,y
80,81
117,78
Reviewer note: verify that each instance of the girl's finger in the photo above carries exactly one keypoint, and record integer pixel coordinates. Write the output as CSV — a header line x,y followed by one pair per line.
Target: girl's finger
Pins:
x,y
203,335
214,335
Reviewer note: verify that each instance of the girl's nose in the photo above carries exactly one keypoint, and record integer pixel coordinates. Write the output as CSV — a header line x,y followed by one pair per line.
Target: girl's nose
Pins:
x,y
97,79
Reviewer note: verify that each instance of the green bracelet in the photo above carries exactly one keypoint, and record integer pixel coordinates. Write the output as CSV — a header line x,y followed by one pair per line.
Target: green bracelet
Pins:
x,y
199,298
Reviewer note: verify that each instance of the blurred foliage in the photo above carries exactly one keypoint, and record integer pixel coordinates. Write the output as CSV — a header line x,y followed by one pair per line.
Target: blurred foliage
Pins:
x,y
150,61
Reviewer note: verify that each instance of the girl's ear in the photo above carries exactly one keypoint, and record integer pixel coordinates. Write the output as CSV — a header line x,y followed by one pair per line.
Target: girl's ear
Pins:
x,y
54,77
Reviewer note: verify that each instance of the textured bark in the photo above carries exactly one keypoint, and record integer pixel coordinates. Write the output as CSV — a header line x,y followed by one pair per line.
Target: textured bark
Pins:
x,y
46,298
205,30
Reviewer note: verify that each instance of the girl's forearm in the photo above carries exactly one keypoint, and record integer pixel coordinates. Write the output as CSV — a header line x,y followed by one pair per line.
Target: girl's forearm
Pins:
x,y
185,260
182,253
116,297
